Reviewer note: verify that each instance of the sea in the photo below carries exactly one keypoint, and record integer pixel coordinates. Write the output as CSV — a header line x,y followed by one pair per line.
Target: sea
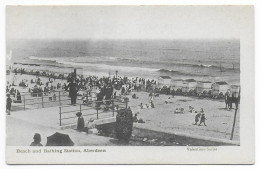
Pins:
x,y
202,60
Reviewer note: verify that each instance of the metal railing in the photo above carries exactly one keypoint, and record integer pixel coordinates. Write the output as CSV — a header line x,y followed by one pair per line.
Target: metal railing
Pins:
x,y
91,109
40,100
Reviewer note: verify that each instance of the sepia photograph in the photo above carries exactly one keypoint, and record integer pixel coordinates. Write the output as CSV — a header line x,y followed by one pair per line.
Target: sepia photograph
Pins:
x,y
82,79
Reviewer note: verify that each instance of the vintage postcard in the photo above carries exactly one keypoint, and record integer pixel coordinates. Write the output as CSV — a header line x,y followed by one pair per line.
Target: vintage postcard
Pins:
x,y
130,85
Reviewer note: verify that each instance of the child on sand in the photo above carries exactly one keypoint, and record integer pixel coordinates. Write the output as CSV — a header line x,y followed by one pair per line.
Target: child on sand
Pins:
x,y
197,118
151,105
191,109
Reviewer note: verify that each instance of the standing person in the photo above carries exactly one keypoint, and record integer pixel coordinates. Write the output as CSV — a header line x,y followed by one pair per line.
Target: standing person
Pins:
x,y
202,118
37,140
197,118
18,97
81,122
73,89
8,104
152,105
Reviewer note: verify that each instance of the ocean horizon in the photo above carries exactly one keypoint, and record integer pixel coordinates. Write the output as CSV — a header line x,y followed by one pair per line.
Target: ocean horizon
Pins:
x,y
214,60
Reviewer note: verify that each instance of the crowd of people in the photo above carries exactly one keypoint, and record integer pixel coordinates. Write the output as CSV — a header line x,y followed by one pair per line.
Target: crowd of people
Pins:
x,y
106,88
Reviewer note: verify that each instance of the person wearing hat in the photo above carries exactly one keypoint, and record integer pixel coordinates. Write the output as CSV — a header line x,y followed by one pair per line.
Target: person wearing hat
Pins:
x,y
37,140
8,104
202,118
73,90
81,123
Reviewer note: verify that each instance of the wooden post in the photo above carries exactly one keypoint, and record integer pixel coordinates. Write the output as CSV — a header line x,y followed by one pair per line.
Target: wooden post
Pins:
x,y
60,116
220,68
234,122
75,73
80,108
59,99
113,108
42,101
235,116
23,102
97,114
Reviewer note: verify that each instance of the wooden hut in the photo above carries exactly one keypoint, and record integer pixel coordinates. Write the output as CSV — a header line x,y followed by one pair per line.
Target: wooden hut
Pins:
x,y
189,85
164,81
176,84
219,88
203,87
235,90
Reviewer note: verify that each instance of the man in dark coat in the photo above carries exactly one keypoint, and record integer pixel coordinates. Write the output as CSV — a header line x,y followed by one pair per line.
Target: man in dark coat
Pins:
x,y
73,90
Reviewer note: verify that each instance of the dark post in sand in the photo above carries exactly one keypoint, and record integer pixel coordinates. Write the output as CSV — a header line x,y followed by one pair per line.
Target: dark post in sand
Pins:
x,y
235,116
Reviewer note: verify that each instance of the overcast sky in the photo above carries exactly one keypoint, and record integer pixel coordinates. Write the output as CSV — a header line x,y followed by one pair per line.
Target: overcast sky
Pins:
x,y
123,22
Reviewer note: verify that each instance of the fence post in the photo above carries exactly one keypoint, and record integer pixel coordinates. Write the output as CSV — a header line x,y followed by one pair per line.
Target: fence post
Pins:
x,y
126,104
59,99
97,114
233,127
80,108
42,101
60,116
113,106
23,102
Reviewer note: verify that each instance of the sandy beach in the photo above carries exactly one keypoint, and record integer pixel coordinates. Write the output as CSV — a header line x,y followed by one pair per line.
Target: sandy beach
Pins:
x,y
219,120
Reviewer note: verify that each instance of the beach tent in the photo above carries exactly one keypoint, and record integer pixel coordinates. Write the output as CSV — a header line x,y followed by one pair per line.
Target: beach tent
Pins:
x,y
235,90
188,85
203,86
79,71
164,81
176,84
219,87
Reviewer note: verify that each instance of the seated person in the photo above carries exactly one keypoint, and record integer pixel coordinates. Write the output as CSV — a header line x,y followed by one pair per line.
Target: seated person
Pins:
x,y
168,100
141,106
145,106
91,124
134,96
179,110
191,109
54,97
18,97
81,123
136,120
151,105
84,98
